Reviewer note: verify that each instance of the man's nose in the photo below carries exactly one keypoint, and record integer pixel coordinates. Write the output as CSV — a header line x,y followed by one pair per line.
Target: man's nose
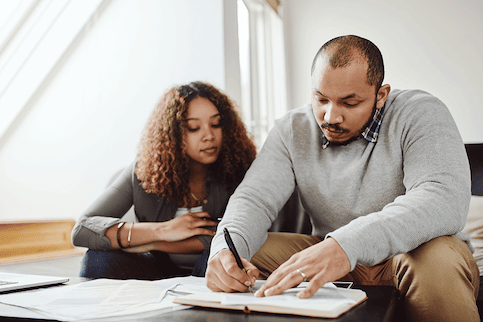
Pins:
x,y
333,114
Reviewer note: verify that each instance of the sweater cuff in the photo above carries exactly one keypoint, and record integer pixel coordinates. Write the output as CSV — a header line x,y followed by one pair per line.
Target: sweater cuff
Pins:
x,y
347,245
99,224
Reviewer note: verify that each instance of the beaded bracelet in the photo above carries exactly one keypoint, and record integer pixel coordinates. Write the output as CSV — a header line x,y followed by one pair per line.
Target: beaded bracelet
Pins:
x,y
119,235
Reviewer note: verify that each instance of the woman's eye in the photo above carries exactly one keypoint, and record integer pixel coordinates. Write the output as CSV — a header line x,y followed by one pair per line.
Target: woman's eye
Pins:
x,y
216,125
194,130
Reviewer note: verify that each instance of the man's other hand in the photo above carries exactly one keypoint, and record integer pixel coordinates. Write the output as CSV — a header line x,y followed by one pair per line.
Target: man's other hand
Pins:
x,y
321,263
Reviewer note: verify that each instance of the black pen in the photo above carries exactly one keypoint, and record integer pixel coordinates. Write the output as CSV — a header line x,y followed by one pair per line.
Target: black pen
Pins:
x,y
232,248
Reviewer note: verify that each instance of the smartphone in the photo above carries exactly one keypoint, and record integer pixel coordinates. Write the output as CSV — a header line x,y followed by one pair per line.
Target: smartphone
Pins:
x,y
343,284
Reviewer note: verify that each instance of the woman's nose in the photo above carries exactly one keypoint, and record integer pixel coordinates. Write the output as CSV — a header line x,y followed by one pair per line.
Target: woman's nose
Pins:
x,y
208,134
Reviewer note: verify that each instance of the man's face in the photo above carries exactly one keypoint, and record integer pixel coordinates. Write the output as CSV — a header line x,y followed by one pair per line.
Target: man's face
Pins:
x,y
342,101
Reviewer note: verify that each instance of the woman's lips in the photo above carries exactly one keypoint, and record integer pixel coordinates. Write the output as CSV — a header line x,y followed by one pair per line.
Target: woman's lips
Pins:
x,y
210,150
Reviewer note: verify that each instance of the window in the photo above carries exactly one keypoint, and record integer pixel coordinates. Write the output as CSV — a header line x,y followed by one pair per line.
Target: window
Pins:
x,y
262,67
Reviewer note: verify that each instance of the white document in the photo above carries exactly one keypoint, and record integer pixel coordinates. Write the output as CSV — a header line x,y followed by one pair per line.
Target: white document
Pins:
x,y
102,299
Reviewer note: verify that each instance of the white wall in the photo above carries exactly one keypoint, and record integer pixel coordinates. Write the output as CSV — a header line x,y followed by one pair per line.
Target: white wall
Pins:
x,y
87,122
433,45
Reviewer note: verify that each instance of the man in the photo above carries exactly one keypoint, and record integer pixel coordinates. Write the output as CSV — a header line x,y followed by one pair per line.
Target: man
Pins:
x,y
385,180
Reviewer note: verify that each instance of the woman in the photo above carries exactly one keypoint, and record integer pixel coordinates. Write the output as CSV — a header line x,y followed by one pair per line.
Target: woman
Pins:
x,y
193,153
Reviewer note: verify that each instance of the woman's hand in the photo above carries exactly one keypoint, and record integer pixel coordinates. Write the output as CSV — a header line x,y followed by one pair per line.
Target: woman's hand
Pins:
x,y
185,226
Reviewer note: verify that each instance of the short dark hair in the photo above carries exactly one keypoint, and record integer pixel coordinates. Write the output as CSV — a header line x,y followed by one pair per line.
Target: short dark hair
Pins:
x,y
343,50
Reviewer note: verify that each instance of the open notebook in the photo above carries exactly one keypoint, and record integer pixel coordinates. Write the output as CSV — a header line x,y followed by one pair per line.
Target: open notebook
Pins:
x,y
12,282
328,302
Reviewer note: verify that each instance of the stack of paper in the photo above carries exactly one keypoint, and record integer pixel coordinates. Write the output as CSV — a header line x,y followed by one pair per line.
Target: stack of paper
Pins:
x,y
99,299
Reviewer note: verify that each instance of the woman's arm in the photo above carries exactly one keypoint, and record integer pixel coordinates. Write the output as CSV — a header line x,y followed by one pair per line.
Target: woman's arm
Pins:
x,y
105,211
173,236
97,227
192,245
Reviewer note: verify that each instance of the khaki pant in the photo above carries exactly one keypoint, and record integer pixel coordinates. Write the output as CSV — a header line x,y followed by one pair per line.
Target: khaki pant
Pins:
x,y
438,281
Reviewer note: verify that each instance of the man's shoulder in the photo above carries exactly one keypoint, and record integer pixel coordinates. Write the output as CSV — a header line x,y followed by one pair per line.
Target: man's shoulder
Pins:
x,y
410,97
414,113
413,103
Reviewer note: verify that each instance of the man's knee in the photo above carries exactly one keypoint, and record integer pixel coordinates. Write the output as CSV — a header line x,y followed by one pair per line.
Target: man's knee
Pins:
x,y
437,260
440,271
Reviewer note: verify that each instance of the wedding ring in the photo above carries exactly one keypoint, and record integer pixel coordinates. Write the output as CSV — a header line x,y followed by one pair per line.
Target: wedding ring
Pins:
x,y
303,274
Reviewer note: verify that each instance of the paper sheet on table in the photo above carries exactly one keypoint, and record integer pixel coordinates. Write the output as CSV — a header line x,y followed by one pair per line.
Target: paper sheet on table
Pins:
x,y
104,298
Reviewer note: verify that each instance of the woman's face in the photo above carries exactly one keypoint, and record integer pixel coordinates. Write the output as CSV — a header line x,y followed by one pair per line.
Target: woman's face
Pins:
x,y
204,136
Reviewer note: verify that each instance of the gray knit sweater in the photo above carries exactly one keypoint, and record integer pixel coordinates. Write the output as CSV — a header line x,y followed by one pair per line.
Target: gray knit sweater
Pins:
x,y
376,199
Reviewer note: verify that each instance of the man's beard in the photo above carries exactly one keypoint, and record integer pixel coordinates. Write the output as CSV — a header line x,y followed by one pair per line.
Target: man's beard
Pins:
x,y
337,127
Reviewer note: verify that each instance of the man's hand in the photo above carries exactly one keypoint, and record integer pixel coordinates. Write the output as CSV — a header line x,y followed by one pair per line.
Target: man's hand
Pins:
x,y
224,275
321,263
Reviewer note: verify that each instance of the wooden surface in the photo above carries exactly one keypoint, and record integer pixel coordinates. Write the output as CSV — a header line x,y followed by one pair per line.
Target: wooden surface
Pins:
x,y
34,240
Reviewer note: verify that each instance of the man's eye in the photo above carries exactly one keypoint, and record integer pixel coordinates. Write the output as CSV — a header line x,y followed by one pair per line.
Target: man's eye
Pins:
x,y
351,104
322,101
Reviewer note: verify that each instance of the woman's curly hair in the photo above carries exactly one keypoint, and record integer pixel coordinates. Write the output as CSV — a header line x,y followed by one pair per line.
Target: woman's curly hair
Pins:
x,y
162,165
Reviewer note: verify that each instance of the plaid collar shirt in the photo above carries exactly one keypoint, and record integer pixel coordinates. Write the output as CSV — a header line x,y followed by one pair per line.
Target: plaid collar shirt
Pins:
x,y
370,133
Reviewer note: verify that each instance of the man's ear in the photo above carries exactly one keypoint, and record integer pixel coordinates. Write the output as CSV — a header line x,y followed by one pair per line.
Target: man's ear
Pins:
x,y
382,95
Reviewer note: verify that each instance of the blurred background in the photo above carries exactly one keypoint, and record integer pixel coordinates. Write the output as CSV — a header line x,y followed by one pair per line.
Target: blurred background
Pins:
x,y
79,78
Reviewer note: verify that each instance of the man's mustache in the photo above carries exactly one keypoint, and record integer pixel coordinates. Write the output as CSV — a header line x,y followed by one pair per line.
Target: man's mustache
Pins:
x,y
333,127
